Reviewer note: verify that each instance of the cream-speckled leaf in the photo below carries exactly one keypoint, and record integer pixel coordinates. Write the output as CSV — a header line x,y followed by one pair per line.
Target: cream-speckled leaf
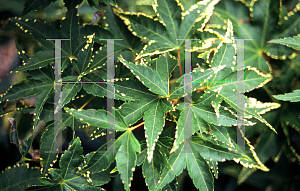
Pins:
x,y
48,148
119,30
39,30
199,77
214,167
202,115
70,30
172,23
151,78
293,42
268,145
41,59
133,111
70,91
196,17
99,89
101,159
126,157
170,14
98,118
84,55
154,122
214,152
65,177
99,59
25,89
18,177
131,88
196,165
252,79
261,28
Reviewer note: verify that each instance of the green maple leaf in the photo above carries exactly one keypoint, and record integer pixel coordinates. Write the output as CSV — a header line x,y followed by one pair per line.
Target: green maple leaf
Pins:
x,y
293,42
152,170
42,79
199,77
115,29
195,164
264,17
221,78
203,118
100,89
292,97
126,157
48,148
18,177
192,154
84,55
84,64
49,145
149,96
65,178
41,31
35,5
252,79
214,167
158,82
171,24
119,30
126,145
98,118
291,118
41,83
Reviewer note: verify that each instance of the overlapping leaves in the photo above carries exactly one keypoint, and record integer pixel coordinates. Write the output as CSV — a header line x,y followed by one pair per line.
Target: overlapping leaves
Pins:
x,y
153,108
230,81
149,97
65,178
258,30
46,35
172,24
293,42
40,5
31,87
126,146
192,154
223,68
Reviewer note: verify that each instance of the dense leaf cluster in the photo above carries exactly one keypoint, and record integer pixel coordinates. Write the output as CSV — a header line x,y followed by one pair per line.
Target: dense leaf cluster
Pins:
x,y
150,91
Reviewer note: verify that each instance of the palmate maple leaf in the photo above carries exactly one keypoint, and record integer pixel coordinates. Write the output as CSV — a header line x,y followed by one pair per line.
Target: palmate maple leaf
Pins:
x,y
266,24
171,24
207,109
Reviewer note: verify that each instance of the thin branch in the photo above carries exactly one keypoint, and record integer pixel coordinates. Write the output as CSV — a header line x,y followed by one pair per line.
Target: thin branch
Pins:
x,y
27,159
179,61
132,128
175,101
87,102
173,117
